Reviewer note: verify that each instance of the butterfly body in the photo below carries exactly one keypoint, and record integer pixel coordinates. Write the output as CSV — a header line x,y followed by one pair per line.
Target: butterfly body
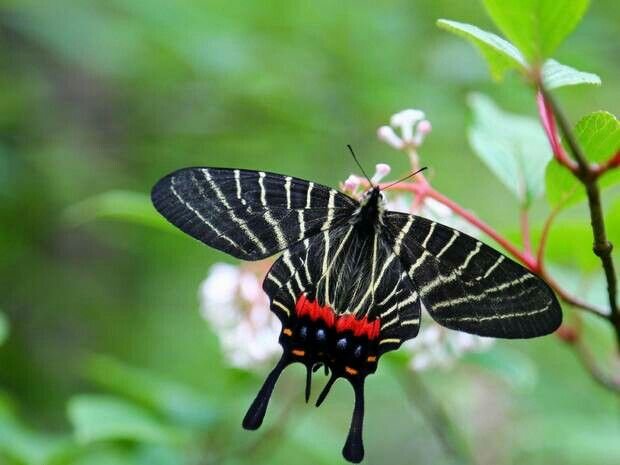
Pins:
x,y
352,276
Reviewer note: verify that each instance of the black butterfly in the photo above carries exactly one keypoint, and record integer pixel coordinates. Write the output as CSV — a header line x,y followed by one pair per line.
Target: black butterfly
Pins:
x,y
352,276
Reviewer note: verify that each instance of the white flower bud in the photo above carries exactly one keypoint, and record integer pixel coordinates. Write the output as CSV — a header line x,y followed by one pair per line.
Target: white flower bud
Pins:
x,y
387,134
381,171
406,121
421,130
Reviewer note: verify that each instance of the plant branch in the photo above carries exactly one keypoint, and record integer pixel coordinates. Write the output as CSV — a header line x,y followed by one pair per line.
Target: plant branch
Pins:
x,y
587,174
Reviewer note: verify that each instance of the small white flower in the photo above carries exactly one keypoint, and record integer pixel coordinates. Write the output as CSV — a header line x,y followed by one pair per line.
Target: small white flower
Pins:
x,y
381,171
237,309
422,129
413,129
387,134
406,121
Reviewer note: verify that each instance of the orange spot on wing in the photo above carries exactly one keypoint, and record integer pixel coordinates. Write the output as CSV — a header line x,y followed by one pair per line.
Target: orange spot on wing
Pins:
x,y
299,353
287,331
351,371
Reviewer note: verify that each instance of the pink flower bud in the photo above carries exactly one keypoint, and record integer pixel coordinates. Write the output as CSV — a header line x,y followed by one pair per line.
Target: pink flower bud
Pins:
x,y
352,183
381,171
424,126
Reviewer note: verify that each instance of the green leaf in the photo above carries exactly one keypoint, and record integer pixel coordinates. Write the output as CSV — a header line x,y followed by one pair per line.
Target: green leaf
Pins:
x,y
598,135
179,403
555,74
562,186
500,54
536,27
102,418
515,368
133,207
23,446
4,328
514,148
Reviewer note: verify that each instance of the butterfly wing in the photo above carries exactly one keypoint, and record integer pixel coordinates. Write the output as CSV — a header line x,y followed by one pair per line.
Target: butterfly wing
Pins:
x,y
248,214
353,273
468,286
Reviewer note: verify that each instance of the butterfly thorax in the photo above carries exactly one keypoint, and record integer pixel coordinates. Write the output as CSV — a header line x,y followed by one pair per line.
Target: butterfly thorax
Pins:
x,y
370,213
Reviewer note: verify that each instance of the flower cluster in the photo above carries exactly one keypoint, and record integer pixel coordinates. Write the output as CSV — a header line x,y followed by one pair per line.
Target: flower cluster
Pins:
x,y
235,306
237,309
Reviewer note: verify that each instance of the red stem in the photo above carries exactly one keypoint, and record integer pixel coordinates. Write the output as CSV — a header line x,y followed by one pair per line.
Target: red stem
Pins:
x,y
540,255
548,122
613,162
525,233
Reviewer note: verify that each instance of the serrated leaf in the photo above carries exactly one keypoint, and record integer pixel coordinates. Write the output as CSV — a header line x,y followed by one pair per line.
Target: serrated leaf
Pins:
x,y
536,27
4,328
598,135
179,403
134,207
103,418
500,54
555,74
514,148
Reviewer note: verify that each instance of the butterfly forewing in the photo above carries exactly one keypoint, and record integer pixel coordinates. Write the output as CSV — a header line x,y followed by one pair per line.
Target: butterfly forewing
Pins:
x,y
248,214
466,285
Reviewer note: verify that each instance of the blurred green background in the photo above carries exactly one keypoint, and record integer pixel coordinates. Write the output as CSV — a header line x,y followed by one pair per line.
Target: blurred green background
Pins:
x,y
97,96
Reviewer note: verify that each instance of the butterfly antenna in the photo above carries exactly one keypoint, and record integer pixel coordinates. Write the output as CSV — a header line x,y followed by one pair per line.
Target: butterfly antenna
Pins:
x,y
359,164
410,175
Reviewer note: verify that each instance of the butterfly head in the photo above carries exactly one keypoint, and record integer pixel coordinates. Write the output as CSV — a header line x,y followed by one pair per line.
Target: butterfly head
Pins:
x,y
372,206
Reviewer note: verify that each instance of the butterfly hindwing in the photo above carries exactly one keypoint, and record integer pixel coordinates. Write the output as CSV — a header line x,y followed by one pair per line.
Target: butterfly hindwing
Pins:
x,y
248,214
466,285
352,273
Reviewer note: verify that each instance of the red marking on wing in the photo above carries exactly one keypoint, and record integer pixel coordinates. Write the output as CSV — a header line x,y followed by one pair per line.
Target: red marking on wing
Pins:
x,y
359,327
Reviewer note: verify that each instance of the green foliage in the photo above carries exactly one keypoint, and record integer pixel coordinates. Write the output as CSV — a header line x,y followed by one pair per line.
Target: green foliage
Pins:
x,y
500,54
178,403
133,207
536,27
557,75
508,365
598,134
105,417
4,328
21,445
513,147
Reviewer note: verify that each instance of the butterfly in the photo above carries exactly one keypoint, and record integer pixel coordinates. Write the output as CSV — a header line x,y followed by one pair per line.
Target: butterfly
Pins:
x,y
352,276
